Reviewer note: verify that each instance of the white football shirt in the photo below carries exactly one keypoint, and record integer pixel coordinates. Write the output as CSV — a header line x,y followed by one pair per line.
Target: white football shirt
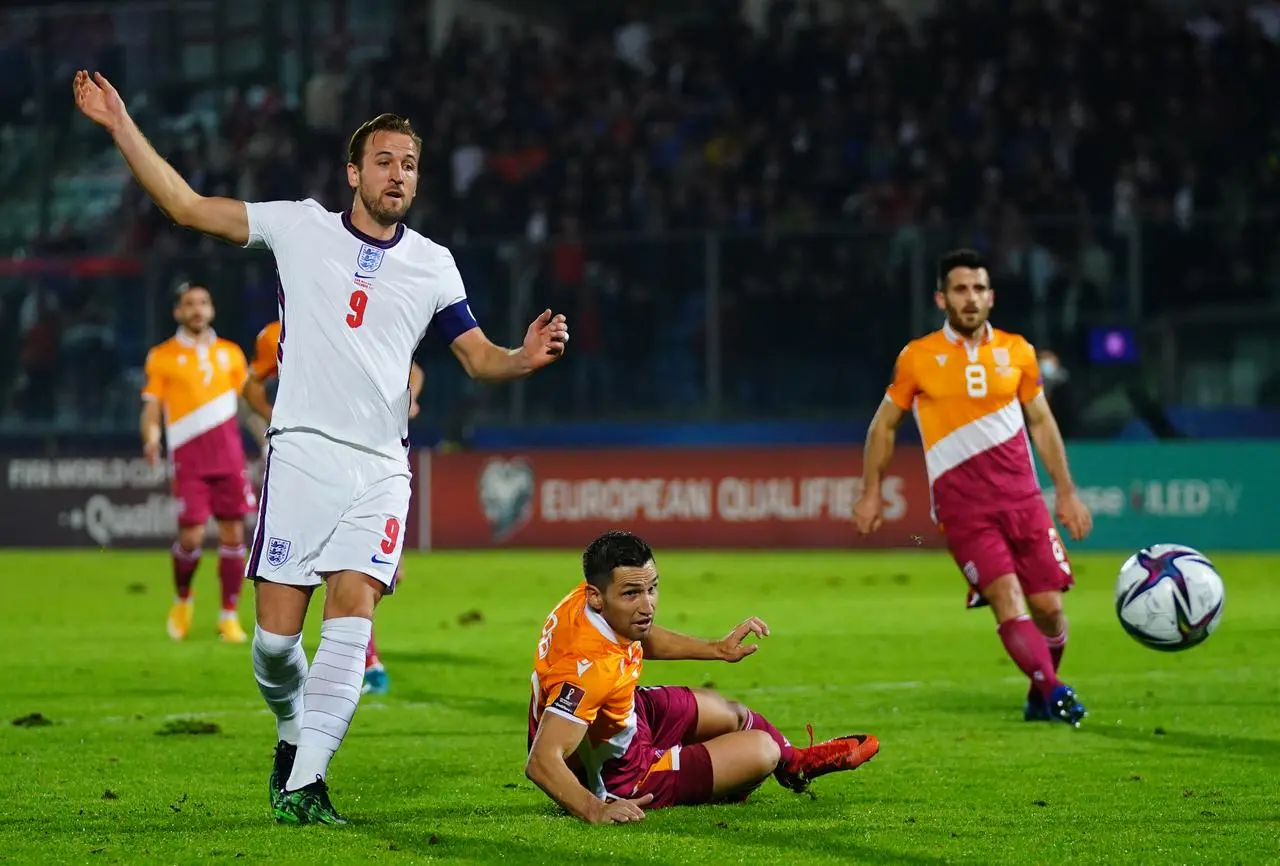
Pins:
x,y
352,311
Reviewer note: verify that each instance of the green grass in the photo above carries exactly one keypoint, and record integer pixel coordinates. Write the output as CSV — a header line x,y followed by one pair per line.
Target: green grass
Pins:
x,y
1176,762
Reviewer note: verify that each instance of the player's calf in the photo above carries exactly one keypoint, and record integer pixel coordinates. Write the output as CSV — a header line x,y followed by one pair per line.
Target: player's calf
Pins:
x,y
740,762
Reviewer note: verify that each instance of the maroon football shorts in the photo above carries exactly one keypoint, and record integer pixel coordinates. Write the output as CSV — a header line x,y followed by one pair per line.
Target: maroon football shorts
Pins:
x,y
226,497
679,771
1021,541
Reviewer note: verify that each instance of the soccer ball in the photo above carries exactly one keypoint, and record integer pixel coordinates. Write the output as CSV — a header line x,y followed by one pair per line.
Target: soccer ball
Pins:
x,y
1169,597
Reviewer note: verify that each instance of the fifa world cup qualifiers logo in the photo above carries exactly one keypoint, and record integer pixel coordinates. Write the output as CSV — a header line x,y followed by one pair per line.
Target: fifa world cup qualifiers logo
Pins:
x,y
506,495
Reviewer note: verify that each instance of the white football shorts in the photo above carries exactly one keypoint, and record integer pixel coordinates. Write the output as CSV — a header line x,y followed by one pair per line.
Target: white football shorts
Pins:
x,y
326,507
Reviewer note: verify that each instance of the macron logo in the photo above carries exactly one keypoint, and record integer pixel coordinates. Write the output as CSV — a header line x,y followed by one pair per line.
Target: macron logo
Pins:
x,y
941,359
582,667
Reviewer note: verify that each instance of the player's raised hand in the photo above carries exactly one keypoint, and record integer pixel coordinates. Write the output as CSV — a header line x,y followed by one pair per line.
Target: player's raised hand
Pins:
x,y
98,100
546,338
1074,515
623,811
868,513
731,647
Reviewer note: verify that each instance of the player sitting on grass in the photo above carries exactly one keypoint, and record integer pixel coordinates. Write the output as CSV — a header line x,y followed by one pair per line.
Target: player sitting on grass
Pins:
x,y
602,748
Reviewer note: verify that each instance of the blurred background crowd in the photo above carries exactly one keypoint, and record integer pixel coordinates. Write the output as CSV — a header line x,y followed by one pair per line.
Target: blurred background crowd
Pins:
x,y
737,202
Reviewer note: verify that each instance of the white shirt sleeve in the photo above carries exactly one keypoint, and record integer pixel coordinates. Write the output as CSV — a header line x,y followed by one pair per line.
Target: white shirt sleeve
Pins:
x,y
270,221
453,316
449,287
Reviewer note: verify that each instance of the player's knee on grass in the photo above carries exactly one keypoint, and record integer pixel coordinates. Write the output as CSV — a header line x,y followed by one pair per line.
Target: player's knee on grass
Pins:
x,y
350,593
191,538
741,761
1004,594
231,533
1046,611
717,715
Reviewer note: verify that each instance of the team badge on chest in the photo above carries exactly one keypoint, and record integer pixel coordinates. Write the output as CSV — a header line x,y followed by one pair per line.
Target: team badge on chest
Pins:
x,y
370,258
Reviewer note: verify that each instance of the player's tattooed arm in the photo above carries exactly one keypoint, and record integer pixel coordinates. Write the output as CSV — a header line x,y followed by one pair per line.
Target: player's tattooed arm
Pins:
x,y
255,395
557,738
1048,441
253,420
544,342
881,436
149,423
417,378
1069,508
868,511
220,217
662,644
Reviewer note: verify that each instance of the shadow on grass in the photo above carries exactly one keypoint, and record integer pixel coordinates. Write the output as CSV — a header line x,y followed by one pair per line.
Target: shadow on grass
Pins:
x,y
1240,746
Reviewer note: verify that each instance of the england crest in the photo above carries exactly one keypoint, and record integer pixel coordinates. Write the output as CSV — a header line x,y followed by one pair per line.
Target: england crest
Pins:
x,y
277,551
370,258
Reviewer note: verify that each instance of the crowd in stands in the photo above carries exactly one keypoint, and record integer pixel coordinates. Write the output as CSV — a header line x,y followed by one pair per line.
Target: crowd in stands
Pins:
x,y
830,155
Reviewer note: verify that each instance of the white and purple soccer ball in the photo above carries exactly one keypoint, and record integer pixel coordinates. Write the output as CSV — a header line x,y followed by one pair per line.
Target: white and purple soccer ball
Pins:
x,y
1169,597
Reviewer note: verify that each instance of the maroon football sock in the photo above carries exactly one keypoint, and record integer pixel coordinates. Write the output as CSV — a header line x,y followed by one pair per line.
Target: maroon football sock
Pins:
x,y
184,569
757,722
1057,646
230,575
1030,652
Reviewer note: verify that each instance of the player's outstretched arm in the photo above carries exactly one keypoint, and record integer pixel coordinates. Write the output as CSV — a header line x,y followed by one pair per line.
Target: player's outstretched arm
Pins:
x,y
220,217
557,738
662,644
544,342
1044,431
868,511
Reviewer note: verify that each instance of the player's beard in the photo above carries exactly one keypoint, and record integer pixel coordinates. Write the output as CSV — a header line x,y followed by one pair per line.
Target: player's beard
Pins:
x,y
966,324
382,215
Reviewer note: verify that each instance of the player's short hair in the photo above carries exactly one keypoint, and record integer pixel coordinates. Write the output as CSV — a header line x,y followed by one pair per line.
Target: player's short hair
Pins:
x,y
961,258
615,549
381,123
181,289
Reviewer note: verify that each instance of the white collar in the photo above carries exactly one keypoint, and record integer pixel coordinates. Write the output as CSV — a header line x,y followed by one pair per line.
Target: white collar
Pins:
x,y
188,339
601,626
981,337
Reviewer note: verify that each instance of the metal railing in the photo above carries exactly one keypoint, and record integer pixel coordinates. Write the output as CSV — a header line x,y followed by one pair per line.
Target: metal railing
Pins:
x,y
704,325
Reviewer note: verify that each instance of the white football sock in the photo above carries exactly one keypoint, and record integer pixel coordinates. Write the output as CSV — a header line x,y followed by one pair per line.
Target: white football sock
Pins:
x,y
280,667
332,695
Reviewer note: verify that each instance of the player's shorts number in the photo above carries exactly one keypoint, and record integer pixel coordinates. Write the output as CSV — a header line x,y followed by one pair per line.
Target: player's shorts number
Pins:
x,y
975,380
391,534
1059,552
359,300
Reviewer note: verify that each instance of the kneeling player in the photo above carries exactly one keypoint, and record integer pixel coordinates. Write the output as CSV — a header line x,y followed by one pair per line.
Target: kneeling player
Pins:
x,y
602,748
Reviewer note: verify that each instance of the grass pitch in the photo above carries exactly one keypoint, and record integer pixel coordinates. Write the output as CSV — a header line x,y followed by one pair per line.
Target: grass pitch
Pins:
x,y
156,752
